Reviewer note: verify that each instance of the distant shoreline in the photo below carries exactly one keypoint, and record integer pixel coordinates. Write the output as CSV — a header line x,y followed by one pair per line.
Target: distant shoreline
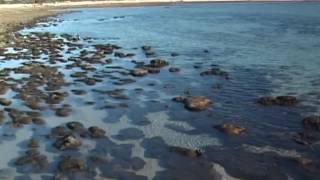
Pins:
x,y
75,4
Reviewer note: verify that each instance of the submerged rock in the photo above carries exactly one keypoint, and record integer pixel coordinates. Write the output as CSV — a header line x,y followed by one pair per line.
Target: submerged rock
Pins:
x,y
33,143
139,72
1,116
174,54
194,103
148,51
5,102
78,91
278,100
67,142
215,71
146,48
158,63
59,131
185,151
63,111
174,69
312,122
55,97
96,132
74,125
71,164
123,55
230,128
33,157
3,88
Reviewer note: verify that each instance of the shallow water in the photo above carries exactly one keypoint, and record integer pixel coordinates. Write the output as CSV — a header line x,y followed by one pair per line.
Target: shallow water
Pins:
x,y
268,49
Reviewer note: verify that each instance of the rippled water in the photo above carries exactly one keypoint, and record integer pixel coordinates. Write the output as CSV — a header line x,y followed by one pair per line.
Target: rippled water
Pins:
x,y
269,49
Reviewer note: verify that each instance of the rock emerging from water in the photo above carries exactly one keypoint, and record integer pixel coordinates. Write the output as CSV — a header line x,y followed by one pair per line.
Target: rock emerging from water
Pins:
x,y
96,132
67,142
194,103
278,100
148,50
71,164
185,151
158,63
174,69
74,125
5,102
139,72
215,71
312,122
63,111
230,128
3,88
33,157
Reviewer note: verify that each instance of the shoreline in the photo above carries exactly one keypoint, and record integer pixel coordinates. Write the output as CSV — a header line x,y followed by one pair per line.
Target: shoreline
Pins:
x,y
76,4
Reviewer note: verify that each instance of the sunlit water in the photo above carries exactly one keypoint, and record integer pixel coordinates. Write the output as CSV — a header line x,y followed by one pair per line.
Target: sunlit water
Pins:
x,y
269,49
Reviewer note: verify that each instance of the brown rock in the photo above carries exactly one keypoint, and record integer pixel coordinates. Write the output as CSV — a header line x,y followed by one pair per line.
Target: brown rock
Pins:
x,y
278,100
67,142
139,72
71,164
185,151
194,103
96,132
5,102
75,125
230,128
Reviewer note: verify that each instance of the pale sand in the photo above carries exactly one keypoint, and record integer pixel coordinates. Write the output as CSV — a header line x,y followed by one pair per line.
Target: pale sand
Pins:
x,y
11,17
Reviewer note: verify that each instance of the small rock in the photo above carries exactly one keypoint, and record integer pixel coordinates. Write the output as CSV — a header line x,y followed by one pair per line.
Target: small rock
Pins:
x,y
146,48
139,72
5,102
304,161
78,91
279,100
96,132
67,142
63,112
312,122
90,81
174,69
194,103
174,54
33,143
153,70
59,131
1,116
215,71
158,63
185,151
38,120
74,125
33,157
230,128
71,164
55,98
3,88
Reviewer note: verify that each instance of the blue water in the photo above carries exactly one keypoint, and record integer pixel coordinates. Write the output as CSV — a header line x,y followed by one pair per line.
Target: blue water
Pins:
x,y
268,49
271,36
